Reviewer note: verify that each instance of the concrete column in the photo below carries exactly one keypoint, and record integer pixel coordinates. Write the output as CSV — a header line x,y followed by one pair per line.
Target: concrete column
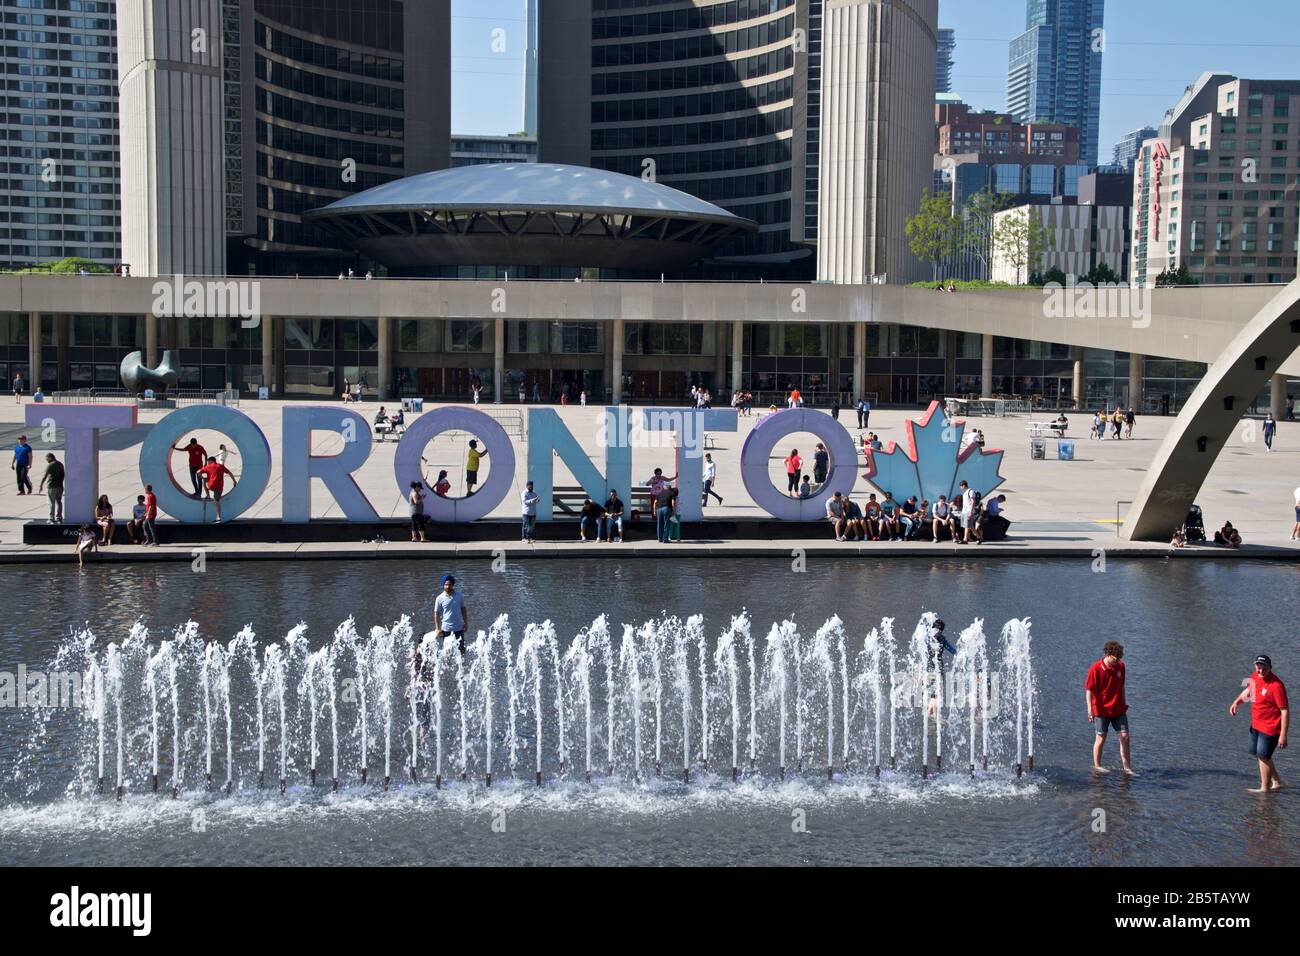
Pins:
x,y
33,350
719,359
616,363
859,360
737,355
986,367
1077,387
950,364
268,355
499,360
1135,363
151,339
385,359
277,336
62,331
608,367
1277,396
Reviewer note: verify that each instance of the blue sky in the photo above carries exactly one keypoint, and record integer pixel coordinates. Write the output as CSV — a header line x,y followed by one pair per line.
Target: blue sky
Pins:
x,y
1154,49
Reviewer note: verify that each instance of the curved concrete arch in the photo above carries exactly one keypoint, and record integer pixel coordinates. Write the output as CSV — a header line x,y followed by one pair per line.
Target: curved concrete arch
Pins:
x,y
1205,424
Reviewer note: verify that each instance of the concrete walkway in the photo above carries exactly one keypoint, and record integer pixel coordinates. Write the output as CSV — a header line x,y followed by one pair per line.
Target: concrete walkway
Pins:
x,y
1057,507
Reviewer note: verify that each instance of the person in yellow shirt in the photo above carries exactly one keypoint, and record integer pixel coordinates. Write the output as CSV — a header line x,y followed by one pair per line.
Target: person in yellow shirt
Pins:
x,y
471,466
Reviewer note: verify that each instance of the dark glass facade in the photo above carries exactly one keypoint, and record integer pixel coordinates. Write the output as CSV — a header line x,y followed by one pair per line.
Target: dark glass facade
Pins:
x,y
701,98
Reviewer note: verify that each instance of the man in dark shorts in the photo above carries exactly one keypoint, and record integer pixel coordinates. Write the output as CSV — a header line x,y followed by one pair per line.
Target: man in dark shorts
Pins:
x,y
472,458
449,614
1104,693
1269,719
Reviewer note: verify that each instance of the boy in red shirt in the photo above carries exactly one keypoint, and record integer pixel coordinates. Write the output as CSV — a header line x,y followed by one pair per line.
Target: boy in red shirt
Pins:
x,y
1104,693
150,516
214,476
1269,718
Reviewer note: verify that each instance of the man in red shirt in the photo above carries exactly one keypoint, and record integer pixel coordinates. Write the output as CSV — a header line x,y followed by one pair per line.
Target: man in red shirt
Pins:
x,y
197,453
1269,718
1104,693
150,516
214,476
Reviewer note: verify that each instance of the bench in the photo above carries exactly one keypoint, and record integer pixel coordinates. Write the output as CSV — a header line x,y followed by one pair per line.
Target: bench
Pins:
x,y
567,500
384,429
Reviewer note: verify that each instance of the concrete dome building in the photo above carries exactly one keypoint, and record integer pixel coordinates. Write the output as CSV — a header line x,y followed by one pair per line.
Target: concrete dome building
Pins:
x,y
530,215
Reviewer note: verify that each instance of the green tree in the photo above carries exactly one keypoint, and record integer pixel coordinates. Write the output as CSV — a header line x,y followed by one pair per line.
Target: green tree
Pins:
x,y
932,231
1172,277
1102,274
978,217
1020,239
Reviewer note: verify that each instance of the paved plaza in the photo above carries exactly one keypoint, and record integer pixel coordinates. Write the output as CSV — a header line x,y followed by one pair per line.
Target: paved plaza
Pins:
x,y
1055,506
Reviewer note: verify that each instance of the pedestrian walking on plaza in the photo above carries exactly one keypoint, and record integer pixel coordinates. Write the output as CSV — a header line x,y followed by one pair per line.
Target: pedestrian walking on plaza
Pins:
x,y
52,485
1270,718
214,476
472,459
449,613
1117,423
1103,691
1270,428
1295,528
22,465
835,408
18,388
529,499
150,516
710,477
197,456
1130,419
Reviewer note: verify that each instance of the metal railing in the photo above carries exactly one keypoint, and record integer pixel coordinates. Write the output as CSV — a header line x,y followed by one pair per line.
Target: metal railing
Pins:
x,y
120,396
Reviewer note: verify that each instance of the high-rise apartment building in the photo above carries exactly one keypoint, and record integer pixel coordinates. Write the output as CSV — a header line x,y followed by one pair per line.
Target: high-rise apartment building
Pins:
x,y
1215,190
943,60
1054,74
59,191
1128,148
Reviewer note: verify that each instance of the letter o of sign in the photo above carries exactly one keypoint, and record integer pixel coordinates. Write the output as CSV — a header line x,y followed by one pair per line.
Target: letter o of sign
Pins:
x,y
757,451
156,461
406,465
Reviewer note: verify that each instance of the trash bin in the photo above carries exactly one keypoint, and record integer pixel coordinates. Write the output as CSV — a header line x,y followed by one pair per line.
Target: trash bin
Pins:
x,y
1037,448
1065,449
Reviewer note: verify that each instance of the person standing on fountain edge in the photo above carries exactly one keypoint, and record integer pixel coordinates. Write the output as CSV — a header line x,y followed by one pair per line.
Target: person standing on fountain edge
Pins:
x,y
472,458
1270,717
529,499
1103,691
197,454
449,614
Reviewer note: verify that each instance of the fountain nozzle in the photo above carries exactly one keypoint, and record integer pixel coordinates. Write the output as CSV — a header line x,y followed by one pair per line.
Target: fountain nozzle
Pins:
x,y
261,779
462,776
1019,771
893,761
686,775
877,771
414,778
387,781
986,762
488,778
230,786
120,791
1031,763
830,773
539,778
284,785
972,771
336,784
313,776
659,770
783,773
364,771
99,785
154,780
925,771
437,782
938,761
735,774
207,779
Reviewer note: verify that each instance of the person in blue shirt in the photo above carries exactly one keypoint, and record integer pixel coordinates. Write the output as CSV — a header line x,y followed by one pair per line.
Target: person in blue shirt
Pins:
x,y
449,614
22,464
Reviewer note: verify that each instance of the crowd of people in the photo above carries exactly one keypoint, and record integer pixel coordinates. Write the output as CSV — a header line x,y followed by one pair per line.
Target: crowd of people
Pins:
x,y
1120,422
966,518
